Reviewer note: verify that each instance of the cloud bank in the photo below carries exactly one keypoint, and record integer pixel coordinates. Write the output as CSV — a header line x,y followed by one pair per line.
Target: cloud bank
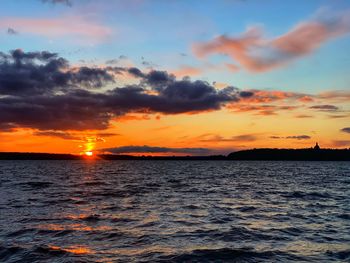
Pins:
x,y
156,149
40,90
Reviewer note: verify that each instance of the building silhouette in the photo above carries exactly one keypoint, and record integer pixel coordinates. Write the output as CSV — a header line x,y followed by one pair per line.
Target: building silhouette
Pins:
x,y
317,147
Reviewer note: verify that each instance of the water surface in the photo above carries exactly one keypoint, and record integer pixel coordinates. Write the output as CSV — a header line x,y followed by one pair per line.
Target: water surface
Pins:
x,y
174,211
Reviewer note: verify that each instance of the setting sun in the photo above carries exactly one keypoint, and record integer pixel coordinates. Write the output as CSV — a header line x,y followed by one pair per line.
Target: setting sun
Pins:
x,y
89,153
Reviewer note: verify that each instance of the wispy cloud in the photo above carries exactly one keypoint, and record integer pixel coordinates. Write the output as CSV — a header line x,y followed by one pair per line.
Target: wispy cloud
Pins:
x,y
185,70
78,28
341,143
325,107
11,31
219,138
295,137
256,53
65,2
75,136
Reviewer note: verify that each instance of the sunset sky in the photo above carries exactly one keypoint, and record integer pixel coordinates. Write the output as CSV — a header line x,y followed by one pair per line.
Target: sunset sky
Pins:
x,y
166,77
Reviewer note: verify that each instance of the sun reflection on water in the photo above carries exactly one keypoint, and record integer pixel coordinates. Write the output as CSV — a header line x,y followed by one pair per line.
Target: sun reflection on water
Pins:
x,y
78,250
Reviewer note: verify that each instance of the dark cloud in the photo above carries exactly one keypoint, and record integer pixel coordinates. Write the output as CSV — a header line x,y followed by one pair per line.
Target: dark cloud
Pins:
x,y
295,137
116,60
41,90
75,136
65,2
246,94
346,129
156,149
107,134
276,137
30,73
112,61
299,137
324,107
11,31
157,79
302,116
59,134
339,116
135,72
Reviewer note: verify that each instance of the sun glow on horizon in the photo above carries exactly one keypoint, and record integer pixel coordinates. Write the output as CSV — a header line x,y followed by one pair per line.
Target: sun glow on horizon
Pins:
x,y
89,153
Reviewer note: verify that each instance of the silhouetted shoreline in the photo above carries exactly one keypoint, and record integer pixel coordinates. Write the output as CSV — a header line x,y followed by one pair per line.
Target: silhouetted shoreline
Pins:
x,y
263,154
292,155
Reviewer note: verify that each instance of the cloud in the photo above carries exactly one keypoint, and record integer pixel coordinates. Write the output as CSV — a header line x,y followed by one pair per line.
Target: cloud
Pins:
x,y
236,138
346,130
267,96
40,90
73,135
335,95
324,107
58,134
256,53
338,116
11,31
116,60
65,2
156,149
77,28
341,143
294,137
185,70
260,109
299,137
302,116
38,73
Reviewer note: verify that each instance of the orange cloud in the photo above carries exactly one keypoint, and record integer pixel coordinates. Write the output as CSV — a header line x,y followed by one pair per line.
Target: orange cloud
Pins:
x,y
336,95
186,71
260,109
258,54
133,117
265,96
218,138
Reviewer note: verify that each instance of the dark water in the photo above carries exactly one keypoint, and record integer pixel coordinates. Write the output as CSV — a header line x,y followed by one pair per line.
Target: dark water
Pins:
x,y
174,211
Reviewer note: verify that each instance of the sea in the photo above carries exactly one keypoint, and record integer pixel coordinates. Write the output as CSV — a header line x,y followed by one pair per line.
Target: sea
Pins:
x,y
174,211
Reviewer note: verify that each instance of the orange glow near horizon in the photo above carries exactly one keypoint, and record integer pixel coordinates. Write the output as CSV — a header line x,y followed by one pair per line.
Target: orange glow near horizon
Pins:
x,y
223,131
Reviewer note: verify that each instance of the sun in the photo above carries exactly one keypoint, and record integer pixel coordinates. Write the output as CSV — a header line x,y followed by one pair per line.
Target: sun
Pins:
x,y
89,153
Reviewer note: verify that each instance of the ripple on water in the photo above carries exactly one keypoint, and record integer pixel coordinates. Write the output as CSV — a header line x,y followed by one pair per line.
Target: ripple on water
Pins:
x,y
229,255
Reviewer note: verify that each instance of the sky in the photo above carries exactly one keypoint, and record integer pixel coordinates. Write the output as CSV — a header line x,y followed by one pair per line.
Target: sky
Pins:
x,y
167,77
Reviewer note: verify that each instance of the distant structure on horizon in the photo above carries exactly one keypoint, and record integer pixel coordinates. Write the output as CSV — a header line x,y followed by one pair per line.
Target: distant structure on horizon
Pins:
x,y
317,147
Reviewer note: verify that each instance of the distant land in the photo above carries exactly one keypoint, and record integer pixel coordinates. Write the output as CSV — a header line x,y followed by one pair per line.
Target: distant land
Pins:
x,y
292,154
263,154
